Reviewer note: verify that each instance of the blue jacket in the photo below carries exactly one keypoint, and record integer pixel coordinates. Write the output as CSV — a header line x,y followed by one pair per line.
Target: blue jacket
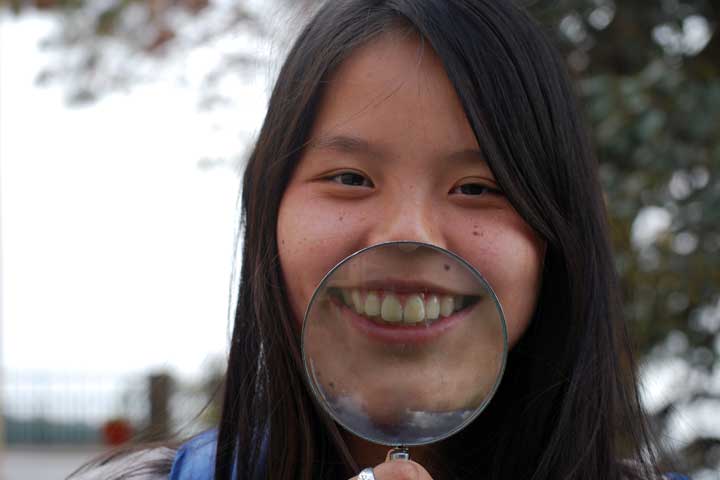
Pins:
x,y
195,460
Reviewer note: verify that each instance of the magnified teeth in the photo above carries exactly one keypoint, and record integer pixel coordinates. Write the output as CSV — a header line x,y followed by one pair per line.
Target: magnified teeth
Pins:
x,y
391,310
357,302
432,307
447,305
414,311
372,304
406,308
346,297
458,302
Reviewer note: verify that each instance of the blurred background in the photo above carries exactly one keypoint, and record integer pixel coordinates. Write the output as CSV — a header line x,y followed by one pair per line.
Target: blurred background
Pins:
x,y
124,125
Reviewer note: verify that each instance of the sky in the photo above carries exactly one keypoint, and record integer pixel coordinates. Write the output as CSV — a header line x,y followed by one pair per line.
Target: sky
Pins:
x,y
116,246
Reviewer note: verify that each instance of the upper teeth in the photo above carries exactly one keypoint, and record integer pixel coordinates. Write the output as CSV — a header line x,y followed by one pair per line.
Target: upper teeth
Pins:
x,y
416,309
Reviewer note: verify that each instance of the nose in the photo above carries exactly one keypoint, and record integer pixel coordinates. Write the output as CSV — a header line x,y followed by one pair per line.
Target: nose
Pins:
x,y
407,219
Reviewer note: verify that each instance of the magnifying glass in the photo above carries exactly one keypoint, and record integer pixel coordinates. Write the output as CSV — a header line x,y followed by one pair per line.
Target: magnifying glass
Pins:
x,y
404,344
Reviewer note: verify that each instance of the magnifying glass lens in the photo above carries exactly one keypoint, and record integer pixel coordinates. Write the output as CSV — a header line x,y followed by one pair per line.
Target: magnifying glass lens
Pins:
x,y
404,343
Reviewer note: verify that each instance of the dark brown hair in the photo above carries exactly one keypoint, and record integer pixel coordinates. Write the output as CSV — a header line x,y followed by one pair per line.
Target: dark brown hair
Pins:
x,y
564,402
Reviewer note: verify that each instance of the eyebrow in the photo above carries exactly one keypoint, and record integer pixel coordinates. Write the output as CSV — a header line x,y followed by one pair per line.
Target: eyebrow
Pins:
x,y
346,144
356,145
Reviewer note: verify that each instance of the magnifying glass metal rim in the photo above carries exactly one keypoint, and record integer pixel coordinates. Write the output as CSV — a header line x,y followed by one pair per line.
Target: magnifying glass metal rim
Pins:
x,y
309,374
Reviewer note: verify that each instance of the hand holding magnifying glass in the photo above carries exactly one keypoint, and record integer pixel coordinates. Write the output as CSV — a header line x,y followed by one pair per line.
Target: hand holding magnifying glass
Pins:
x,y
398,470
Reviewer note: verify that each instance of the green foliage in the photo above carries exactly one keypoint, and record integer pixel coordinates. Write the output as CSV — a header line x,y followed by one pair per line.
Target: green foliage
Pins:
x,y
648,73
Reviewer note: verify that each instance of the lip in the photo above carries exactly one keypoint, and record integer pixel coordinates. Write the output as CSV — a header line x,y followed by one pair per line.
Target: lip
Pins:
x,y
400,334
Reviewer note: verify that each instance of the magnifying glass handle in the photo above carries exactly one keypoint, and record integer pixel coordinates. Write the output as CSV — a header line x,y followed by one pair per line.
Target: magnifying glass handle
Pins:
x,y
399,453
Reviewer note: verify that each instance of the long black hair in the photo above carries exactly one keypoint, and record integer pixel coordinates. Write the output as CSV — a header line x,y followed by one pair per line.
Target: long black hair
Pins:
x,y
567,400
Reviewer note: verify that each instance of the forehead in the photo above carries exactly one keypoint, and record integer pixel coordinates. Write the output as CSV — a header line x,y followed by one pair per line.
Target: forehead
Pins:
x,y
394,90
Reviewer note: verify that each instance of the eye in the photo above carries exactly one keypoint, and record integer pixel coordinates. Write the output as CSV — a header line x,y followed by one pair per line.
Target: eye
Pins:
x,y
352,179
474,189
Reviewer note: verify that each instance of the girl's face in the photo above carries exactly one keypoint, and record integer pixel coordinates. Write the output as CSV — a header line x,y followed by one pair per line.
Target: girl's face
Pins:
x,y
392,157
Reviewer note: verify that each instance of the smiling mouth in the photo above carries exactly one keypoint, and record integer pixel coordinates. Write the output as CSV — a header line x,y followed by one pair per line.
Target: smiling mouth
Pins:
x,y
406,309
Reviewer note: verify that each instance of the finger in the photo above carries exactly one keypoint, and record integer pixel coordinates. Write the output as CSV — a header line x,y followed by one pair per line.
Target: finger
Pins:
x,y
400,470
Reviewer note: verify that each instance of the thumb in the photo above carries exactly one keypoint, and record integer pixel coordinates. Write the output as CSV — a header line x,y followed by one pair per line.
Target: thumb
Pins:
x,y
400,470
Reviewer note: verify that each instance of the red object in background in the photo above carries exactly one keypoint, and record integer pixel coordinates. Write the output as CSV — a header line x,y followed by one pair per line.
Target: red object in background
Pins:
x,y
116,432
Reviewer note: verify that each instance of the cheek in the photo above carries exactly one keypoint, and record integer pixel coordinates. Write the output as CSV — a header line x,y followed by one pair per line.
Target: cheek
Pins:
x,y
312,238
509,254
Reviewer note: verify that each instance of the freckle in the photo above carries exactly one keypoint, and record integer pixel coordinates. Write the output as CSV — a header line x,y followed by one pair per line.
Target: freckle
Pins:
x,y
446,266
282,242
341,218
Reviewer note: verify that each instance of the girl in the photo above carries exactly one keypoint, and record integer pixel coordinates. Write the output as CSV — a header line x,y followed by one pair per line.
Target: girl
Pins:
x,y
450,122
